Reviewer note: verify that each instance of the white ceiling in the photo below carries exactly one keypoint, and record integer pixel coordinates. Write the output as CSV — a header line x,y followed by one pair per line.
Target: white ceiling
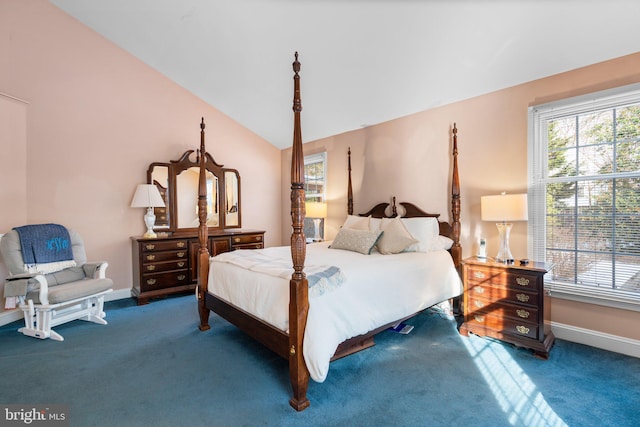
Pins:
x,y
363,61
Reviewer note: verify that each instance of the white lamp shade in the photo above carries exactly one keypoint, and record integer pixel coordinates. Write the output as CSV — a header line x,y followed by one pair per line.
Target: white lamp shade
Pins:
x,y
147,196
504,207
316,210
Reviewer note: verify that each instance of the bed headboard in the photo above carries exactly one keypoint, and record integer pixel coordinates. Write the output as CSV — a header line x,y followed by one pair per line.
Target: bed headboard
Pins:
x,y
409,210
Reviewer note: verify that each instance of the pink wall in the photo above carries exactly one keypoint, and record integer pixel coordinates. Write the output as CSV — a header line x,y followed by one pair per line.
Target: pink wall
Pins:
x,y
410,158
96,117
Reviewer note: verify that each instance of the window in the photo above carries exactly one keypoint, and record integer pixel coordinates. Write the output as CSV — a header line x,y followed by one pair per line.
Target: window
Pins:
x,y
584,195
315,172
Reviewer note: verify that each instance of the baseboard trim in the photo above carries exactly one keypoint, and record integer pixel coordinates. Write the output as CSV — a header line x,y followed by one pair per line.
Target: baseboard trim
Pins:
x,y
9,316
615,343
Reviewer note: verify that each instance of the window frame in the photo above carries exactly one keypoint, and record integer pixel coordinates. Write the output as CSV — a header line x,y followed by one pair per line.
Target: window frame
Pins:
x,y
537,156
317,158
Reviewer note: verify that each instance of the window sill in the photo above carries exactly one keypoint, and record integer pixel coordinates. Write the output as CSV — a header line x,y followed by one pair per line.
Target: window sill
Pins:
x,y
607,298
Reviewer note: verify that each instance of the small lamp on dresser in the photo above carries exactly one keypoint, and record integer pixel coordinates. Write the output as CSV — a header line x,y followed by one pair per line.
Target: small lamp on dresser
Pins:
x,y
317,211
504,208
148,196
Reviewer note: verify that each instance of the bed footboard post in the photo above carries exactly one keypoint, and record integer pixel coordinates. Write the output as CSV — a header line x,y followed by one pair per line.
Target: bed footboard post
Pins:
x,y
456,249
298,285
203,251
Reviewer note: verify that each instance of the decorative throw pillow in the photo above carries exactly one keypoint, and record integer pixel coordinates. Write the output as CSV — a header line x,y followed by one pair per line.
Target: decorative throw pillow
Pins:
x,y
423,229
356,222
356,240
395,237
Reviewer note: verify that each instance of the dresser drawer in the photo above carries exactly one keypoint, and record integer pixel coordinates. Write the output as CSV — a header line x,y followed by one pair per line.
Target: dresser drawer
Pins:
x,y
246,239
500,277
516,296
151,282
157,267
500,308
504,325
164,245
164,256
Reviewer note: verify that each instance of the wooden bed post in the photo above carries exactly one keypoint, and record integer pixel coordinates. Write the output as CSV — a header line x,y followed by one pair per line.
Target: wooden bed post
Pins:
x,y
298,285
456,250
349,187
203,251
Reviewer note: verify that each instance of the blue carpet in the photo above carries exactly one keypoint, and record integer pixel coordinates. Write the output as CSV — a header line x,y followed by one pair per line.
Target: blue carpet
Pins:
x,y
151,366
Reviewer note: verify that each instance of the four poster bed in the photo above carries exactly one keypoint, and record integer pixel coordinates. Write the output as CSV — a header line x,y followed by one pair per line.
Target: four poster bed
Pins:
x,y
248,288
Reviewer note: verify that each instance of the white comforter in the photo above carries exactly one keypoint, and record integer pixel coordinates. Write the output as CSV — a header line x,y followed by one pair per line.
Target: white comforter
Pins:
x,y
378,289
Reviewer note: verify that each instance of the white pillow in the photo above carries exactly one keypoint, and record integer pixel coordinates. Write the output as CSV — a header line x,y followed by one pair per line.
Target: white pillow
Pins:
x,y
395,237
423,229
374,224
441,242
356,222
362,241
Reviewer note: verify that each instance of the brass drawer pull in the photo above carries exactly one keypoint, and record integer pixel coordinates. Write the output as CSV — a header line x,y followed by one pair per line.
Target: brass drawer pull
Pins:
x,y
237,240
151,281
180,254
479,275
479,318
479,304
522,281
151,267
523,313
181,277
150,247
522,329
180,244
181,264
151,257
522,297
478,290
258,238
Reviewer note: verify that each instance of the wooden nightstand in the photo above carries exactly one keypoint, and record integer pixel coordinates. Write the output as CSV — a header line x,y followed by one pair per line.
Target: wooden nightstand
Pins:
x,y
507,302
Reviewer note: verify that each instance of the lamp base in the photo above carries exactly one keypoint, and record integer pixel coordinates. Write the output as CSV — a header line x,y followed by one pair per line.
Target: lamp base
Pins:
x,y
504,254
150,221
316,224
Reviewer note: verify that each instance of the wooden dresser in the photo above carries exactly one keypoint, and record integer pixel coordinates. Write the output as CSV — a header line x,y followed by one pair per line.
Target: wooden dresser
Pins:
x,y
167,265
507,302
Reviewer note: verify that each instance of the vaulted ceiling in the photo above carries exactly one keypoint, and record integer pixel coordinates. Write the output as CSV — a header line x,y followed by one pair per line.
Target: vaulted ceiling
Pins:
x,y
363,61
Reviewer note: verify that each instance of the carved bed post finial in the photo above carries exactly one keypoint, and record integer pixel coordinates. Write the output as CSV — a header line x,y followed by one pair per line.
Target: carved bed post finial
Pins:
x,y
349,188
456,250
298,285
394,209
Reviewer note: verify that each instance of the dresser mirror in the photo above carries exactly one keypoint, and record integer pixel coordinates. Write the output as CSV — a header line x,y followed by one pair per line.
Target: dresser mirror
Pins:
x,y
177,182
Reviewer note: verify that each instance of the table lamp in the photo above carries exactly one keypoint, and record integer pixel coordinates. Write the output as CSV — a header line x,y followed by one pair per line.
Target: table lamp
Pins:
x,y
317,211
503,209
148,196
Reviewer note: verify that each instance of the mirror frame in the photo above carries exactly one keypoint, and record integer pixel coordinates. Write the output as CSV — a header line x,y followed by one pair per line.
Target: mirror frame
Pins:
x,y
175,167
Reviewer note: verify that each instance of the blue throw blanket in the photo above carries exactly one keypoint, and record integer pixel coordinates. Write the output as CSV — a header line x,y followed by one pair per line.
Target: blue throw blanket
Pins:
x,y
44,243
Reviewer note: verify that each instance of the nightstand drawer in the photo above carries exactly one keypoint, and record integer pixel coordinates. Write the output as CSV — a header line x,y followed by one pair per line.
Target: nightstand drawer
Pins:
x,y
500,277
504,325
500,308
504,294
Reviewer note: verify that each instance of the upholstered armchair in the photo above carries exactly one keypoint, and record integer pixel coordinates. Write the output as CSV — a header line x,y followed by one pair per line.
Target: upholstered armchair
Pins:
x,y
51,280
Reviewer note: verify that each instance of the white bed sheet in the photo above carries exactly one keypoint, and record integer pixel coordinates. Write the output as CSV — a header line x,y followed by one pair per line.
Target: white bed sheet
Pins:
x,y
378,289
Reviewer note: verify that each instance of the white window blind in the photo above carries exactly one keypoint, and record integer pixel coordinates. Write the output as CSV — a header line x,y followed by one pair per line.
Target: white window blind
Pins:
x,y
584,193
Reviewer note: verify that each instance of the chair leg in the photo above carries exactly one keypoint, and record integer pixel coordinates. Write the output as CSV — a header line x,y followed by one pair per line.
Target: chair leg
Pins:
x,y
38,323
